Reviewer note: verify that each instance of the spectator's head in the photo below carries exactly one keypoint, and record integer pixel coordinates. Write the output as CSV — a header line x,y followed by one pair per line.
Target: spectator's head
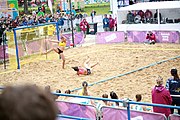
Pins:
x,y
110,16
58,91
105,95
138,97
159,80
26,103
105,15
68,91
84,84
174,73
113,95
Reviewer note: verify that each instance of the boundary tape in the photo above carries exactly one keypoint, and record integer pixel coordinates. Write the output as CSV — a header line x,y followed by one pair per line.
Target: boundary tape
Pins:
x,y
120,75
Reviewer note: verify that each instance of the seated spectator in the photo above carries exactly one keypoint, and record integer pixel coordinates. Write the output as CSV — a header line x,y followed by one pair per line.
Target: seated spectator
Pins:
x,y
136,106
173,85
103,102
114,96
160,95
151,38
26,103
56,96
66,98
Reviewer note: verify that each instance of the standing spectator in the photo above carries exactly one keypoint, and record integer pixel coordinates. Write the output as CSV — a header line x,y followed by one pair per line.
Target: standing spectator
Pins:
x,y
156,16
80,16
61,23
115,23
84,26
160,95
2,29
43,9
106,23
93,13
26,103
111,23
84,91
173,85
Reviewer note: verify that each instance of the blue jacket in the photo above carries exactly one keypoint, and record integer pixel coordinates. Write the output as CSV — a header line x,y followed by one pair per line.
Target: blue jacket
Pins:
x,y
173,86
61,21
105,22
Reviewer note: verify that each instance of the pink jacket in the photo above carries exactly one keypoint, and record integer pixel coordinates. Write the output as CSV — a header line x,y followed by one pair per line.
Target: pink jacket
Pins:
x,y
84,25
160,95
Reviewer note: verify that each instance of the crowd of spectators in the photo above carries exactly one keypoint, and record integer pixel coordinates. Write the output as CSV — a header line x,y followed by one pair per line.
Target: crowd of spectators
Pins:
x,y
109,23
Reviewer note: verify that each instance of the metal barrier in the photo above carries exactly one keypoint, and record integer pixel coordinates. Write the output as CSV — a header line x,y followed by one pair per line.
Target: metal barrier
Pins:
x,y
125,102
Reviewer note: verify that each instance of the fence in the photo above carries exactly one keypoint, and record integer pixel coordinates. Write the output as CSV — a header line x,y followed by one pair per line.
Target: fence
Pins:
x,y
127,112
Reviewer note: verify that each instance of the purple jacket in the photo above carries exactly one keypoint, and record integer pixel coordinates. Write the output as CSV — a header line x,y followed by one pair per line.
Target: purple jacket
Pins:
x,y
160,95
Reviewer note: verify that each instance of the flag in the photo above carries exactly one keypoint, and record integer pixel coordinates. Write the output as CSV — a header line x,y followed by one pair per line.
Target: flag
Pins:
x,y
50,6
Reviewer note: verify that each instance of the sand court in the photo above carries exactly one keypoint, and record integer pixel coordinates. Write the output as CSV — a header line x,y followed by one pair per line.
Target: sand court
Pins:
x,y
114,59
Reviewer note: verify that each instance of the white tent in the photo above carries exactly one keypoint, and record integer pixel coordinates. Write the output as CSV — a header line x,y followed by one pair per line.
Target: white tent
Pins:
x,y
168,9
152,5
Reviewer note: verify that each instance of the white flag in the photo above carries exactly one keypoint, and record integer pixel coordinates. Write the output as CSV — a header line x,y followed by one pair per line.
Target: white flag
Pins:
x,y
50,6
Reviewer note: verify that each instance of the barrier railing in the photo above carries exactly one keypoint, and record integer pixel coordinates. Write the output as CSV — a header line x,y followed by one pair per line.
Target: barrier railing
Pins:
x,y
126,103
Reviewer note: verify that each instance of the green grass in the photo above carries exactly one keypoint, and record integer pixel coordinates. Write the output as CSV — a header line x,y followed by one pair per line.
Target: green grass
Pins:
x,y
101,8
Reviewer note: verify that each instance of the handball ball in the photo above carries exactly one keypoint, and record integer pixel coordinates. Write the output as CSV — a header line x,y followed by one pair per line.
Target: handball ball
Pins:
x,y
71,44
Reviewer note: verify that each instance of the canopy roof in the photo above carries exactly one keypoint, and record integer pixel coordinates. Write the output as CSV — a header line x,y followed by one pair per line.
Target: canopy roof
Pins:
x,y
152,5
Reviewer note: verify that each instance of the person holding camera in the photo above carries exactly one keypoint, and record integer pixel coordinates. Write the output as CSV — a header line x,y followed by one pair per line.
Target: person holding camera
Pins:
x,y
150,38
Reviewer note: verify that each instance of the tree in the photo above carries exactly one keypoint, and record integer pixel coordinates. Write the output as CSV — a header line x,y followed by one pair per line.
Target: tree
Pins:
x,y
26,6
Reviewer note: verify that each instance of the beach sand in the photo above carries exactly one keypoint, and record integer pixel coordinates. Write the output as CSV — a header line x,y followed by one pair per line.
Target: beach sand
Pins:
x,y
114,60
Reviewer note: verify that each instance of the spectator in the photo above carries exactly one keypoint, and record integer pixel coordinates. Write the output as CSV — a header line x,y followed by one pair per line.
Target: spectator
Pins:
x,y
84,91
103,102
80,16
105,23
93,13
156,16
43,9
61,23
111,23
115,23
173,85
84,26
2,29
150,38
26,103
114,96
56,96
66,98
40,13
136,106
160,95
130,17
